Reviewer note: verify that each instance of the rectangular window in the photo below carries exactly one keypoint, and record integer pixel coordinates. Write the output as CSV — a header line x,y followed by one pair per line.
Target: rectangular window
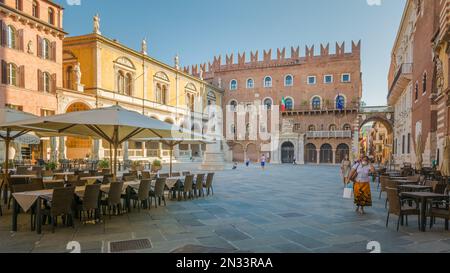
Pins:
x,y
328,79
14,107
311,80
346,78
409,143
47,113
297,127
403,144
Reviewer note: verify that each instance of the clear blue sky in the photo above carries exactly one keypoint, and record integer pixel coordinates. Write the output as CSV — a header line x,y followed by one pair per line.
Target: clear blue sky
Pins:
x,y
199,29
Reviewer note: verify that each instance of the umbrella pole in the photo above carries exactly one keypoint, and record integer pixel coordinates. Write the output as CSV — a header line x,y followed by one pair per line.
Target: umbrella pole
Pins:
x,y
7,153
171,151
110,155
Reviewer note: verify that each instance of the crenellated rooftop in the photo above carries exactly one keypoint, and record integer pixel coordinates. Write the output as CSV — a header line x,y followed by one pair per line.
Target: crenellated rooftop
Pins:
x,y
254,61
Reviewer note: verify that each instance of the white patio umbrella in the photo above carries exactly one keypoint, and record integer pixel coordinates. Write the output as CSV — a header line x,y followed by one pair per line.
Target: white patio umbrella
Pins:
x,y
113,124
172,142
8,134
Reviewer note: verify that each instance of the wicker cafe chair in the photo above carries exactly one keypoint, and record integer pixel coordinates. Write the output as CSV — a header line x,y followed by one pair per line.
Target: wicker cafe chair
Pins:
x,y
22,170
59,177
53,185
114,201
187,187
89,205
442,213
396,208
383,179
158,192
61,205
146,175
129,178
176,174
143,195
198,191
208,184
12,182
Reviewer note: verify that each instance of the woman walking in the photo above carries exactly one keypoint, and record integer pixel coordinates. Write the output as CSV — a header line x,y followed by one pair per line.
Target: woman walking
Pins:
x,y
263,161
346,166
361,187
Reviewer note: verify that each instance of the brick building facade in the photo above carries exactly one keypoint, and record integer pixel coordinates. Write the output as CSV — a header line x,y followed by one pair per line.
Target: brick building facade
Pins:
x,y
31,37
321,95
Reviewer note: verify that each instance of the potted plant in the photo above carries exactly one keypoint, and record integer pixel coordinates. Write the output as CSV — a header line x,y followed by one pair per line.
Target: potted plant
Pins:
x,y
156,166
103,164
51,166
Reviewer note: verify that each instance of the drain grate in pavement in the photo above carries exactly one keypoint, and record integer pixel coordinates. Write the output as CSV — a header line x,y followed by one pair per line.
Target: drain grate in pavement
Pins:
x,y
129,245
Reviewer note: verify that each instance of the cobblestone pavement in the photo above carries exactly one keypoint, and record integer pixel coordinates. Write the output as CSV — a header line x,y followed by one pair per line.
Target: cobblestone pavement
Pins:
x,y
281,209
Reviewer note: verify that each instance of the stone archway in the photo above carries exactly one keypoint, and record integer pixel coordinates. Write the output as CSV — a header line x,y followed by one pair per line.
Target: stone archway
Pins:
x,y
342,150
238,153
287,152
326,154
310,153
78,148
252,152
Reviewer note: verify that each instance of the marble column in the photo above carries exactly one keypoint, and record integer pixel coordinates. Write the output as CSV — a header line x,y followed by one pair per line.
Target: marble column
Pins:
x,y
318,156
62,148
53,151
301,150
125,151
95,149
334,156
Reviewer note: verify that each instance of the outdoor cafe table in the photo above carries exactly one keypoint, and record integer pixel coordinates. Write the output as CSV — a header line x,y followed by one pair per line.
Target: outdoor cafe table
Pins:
x,y
415,188
23,176
423,197
26,200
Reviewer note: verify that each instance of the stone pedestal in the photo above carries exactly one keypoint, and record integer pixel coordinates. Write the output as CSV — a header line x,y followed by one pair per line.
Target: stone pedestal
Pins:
x,y
80,87
213,158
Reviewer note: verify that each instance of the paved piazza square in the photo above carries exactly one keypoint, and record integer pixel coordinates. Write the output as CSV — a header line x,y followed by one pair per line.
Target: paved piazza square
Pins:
x,y
284,209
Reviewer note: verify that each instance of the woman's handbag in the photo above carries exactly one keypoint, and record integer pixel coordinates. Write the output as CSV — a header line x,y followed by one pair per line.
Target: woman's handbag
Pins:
x,y
353,174
348,191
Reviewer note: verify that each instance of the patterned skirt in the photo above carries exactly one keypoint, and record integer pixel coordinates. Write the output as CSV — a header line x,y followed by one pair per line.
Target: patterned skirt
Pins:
x,y
362,193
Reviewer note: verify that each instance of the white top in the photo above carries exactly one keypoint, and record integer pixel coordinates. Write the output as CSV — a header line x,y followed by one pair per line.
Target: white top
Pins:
x,y
363,172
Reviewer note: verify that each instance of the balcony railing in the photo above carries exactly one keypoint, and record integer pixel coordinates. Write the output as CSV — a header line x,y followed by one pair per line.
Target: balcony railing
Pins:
x,y
402,77
331,107
329,134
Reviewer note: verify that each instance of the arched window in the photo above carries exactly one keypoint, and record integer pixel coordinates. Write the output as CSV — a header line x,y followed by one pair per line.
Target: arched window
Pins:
x,y
158,91
233,105
35,9
268,103
11,37
289,104
250,83
69,75
289,80
165,95
316,103
267,82
121,82
340,102
233,129
12,74
311,128
46,49
129,84
347,127
233,85
19,5
332,127
47,81
51,16
212,99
